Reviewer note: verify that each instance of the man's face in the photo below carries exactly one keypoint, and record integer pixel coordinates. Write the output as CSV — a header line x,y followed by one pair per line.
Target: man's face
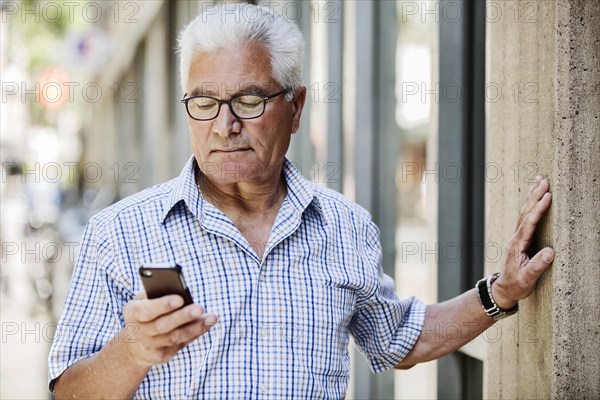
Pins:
x,y
229,149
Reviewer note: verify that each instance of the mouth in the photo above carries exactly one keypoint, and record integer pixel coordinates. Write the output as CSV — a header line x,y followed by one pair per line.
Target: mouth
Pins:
x,y
232,150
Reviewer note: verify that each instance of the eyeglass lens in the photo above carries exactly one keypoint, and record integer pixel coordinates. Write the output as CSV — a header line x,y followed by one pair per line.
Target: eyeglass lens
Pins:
x,y
246,106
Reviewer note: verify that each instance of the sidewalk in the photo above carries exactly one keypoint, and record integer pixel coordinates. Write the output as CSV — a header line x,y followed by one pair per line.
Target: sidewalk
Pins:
x,y
23,350
26,334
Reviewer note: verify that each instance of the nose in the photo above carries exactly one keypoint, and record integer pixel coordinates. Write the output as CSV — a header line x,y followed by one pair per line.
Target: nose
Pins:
x,y
225,123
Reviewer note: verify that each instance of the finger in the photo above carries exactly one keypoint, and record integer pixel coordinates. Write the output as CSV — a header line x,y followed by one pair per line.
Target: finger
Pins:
x,y
210,319
528,225
535,184
537,192
149,310
188,333
538,264
198,328
174,320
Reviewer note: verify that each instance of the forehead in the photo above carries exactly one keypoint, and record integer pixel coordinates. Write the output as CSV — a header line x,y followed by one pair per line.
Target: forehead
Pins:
x,y
231,70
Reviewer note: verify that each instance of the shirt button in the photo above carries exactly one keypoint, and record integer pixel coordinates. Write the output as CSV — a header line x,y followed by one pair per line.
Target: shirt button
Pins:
x,y
264,389
261,277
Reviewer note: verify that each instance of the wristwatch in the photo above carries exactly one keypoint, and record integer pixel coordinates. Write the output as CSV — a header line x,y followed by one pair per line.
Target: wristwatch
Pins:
x,y
484,291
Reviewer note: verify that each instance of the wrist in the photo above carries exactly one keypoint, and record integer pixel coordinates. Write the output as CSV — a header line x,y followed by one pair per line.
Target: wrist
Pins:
x,y
491,306
499,295
122,345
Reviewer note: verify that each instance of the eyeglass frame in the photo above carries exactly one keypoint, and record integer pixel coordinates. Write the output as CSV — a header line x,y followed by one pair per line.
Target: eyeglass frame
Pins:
x,y
220,102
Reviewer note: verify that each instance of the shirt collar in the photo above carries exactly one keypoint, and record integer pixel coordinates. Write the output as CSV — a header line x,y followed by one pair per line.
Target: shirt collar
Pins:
x,y
301,192
185,190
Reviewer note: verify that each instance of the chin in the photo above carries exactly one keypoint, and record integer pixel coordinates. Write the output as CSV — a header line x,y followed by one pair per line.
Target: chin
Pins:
x,y
235,171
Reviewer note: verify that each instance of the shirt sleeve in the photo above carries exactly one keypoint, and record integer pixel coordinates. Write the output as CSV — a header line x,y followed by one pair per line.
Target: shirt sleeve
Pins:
x,y
385,328
88,320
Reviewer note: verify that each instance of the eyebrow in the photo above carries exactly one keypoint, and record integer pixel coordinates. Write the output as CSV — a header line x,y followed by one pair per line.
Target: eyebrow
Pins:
x,y
249,88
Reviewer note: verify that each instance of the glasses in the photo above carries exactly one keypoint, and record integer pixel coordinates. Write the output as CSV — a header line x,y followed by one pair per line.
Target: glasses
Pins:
x,y
243,106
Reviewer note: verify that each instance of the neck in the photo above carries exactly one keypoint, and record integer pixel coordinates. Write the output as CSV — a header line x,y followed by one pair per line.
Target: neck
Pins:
x,y
246,197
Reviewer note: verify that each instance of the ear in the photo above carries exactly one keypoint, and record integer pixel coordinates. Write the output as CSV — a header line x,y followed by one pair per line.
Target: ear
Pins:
x,y
298,104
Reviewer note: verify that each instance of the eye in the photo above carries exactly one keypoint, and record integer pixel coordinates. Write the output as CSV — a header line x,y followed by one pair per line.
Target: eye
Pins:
x,y
203,103
249,101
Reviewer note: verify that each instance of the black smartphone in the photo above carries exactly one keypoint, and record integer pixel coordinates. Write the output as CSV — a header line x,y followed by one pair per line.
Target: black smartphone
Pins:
x,y
163,279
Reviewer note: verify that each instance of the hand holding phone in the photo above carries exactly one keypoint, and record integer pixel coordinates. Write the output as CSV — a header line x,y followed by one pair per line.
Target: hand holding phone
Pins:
x,y
162,327
164,279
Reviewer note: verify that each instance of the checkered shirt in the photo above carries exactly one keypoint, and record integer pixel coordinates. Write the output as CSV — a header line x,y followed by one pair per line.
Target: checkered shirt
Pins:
x,y
284,321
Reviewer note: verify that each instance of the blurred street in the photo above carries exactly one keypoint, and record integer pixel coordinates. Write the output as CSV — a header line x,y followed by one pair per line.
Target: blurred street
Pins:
x,y
24,349
26,319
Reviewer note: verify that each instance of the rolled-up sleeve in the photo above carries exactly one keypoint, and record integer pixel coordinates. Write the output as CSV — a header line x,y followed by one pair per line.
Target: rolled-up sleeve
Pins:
x,y
385,328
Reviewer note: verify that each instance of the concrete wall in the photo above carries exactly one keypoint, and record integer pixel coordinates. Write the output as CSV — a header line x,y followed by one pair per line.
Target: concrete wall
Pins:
x,y
543,108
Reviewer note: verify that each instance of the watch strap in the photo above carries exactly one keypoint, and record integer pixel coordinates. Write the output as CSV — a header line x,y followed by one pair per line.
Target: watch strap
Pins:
x,y
484,292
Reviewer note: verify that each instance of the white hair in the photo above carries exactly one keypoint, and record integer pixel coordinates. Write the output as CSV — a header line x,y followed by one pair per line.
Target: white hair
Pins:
x,y
231,26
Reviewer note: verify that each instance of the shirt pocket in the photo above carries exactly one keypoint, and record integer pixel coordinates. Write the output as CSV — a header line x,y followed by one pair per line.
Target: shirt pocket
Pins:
x,y
333,311
318,332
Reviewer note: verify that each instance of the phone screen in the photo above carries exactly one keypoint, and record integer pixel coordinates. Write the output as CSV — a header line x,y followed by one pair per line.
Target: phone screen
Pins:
x,y
162,280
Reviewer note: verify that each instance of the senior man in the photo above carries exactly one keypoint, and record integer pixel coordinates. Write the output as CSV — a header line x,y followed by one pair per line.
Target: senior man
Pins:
x,y
282,270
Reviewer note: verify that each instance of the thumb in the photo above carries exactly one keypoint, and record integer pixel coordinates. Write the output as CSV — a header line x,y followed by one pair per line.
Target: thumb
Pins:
x,y
541,261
